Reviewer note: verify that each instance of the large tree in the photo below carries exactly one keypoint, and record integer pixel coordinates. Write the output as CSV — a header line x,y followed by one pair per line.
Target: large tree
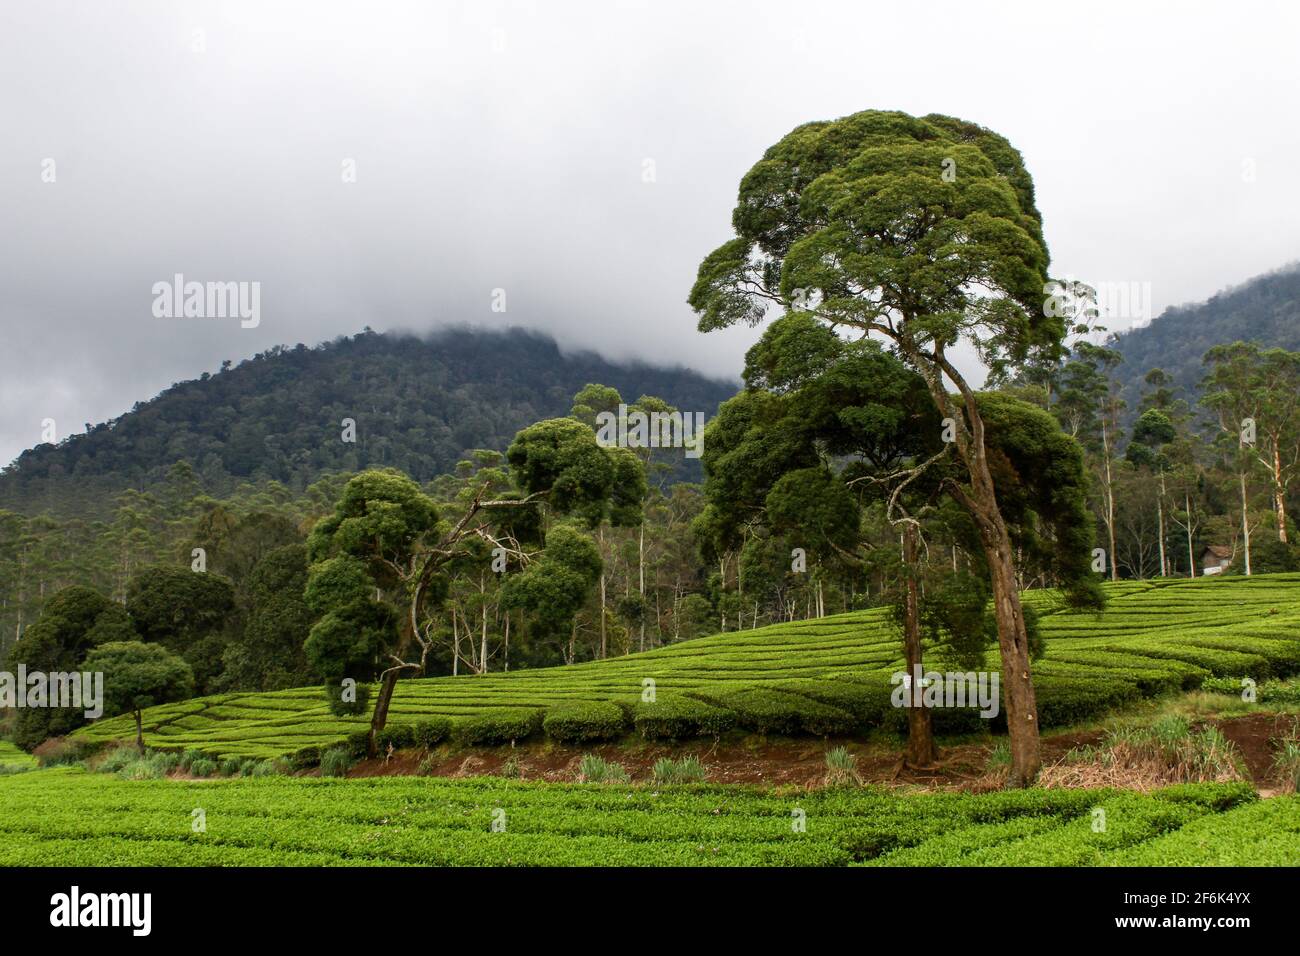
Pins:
x,y
138,676
923,232
191,613
831,436
387,554
72,623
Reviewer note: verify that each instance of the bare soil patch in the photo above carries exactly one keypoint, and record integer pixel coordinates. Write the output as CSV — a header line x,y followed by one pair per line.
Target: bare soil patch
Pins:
x,y
797,763
753,760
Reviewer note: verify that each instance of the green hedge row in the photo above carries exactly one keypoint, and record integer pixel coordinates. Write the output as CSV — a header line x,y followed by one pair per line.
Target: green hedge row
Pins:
x,y
585,721
501,725
770,711
675,717
831,707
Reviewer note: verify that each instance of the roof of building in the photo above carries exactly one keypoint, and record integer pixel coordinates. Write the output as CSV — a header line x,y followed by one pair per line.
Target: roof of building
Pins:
x,y
1218,550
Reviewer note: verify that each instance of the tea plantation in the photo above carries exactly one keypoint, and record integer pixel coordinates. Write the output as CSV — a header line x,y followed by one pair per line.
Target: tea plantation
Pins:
x,y
822,677
67,816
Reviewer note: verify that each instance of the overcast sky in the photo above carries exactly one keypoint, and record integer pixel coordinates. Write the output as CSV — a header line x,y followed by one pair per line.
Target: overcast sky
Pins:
x,y
508,146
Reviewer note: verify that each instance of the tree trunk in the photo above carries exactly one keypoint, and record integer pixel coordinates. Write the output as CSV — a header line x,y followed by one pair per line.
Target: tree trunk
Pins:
x,y
386,687
1017,681
380,717
1160,525
455,643
1279,493
603,637
982,505
640,563
139,732
1191,557
1110,504
1245,522
920,732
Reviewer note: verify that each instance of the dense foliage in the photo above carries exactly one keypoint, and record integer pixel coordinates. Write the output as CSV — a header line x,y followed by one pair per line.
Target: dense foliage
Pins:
x,y
99,819
418,405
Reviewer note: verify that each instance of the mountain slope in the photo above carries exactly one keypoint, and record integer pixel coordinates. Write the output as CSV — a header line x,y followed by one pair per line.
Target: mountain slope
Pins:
x,y
418,404
1265,309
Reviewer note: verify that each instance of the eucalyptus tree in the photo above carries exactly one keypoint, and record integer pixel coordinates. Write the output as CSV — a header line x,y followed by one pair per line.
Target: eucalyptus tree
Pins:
x,y
923,232
1253,395
1152,432
1089,406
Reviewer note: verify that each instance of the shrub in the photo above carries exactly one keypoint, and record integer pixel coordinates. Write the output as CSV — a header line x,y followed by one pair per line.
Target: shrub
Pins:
x,y
867,702
498,726
342,708
511,769
687,770
432,731
119,758
1279,692
1189,676
999,757
675,717
596,769
1215,660
229,767
64,750
267,768
398,736
841,767
203,767
1216,797
1286,765
1072,700
335,762
582,722
357,743
151,766
305,758
1222,685
188,758
768,711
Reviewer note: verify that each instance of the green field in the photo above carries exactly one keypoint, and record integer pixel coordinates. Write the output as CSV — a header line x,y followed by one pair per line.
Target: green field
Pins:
x,y
11,758
68,816
823,676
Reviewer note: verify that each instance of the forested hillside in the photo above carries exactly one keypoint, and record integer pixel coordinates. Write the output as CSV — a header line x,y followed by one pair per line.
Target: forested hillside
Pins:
x,y
1265,310
418,404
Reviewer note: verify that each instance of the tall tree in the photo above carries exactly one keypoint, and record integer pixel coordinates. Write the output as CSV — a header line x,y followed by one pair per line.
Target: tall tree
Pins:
x,y
1252,392
72,623
924,232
